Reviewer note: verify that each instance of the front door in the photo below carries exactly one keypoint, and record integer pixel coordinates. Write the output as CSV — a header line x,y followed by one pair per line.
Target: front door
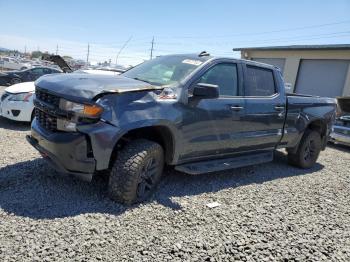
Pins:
x,y
209,124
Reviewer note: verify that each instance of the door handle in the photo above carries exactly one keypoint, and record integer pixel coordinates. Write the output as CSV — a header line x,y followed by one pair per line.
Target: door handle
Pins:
x,y
279,108
236,108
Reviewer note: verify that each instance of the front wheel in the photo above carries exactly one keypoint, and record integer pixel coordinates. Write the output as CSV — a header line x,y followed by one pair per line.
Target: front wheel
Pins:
x,y
136,172
308,150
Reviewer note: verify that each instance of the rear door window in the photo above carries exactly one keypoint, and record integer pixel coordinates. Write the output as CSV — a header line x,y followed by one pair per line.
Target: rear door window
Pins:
x,y
260,82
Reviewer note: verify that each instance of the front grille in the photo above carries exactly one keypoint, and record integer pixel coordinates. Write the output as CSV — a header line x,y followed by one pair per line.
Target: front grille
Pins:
x,y
49,122
47,97
46,120
3,97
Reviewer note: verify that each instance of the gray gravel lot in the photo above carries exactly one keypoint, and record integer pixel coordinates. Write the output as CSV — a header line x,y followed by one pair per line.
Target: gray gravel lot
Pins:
x,y
267,212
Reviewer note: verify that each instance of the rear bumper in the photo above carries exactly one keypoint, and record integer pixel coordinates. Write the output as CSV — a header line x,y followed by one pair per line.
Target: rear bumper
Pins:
x,y
66,152
341,135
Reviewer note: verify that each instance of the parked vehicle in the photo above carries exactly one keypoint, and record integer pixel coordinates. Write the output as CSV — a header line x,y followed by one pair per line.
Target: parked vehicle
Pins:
x,y
195,112
15,77
341,128
16,103
13,64
112,69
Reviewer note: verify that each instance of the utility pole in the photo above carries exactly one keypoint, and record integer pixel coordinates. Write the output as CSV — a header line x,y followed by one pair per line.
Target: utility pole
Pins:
x,y
57,49
152,47
121,49
88,53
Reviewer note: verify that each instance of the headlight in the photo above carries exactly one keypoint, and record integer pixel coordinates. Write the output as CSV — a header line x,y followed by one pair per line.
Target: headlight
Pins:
x,y
81,110
81,113
24,97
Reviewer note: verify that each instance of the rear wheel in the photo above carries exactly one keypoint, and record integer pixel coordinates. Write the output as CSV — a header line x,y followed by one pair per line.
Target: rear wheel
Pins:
x,y
136,172
15,81
308,150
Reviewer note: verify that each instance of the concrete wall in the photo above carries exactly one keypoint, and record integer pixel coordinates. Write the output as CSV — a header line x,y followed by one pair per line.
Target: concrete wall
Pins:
x,y
293,58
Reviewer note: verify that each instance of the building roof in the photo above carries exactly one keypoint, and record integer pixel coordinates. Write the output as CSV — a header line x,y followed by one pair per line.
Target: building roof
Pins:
x,y
297,47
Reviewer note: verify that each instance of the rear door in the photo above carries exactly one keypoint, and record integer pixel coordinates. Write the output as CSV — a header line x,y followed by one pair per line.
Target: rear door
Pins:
x,y
265,108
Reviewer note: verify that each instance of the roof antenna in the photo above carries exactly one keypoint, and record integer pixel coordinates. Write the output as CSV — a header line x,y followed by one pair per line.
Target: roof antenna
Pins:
x,y
203,53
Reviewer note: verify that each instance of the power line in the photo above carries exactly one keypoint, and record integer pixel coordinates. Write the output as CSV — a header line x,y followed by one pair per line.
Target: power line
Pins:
x,y
219,43
301,38
264,32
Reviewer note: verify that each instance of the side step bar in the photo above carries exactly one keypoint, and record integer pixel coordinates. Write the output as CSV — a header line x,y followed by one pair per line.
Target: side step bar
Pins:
x,y
225,164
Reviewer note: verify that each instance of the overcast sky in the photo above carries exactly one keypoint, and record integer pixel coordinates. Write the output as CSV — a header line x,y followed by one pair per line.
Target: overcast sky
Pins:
x,y
180,26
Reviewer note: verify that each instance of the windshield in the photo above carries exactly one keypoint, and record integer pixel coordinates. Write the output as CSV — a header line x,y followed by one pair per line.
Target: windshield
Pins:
x,y
165,70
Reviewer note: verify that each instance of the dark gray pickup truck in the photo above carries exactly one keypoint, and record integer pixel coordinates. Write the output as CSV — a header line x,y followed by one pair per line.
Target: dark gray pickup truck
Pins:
x,y
195,112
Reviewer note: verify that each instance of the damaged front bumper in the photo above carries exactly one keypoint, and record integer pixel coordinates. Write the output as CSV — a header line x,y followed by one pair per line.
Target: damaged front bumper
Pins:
x,y
67,152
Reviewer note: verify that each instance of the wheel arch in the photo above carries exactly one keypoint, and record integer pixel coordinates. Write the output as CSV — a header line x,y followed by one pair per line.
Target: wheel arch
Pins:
x,y
318,125
161,134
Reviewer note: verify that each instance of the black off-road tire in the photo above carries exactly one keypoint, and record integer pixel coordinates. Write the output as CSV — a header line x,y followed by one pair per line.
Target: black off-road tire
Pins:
x,y
308,150
138,166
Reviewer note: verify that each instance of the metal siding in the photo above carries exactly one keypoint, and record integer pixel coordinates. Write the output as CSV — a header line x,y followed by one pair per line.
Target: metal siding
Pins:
x,y
279,62
322,77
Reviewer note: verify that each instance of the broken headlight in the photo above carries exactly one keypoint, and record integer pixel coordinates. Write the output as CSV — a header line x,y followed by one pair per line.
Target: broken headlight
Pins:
x,y
79,113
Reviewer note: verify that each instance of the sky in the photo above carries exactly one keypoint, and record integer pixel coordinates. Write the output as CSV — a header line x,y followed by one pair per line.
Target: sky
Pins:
x,y
181,26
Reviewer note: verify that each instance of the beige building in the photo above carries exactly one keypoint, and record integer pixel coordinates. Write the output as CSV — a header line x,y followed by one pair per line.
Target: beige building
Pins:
x,y
308,69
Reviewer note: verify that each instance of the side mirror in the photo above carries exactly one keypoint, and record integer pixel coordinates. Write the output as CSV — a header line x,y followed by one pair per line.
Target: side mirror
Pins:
x,y
206,90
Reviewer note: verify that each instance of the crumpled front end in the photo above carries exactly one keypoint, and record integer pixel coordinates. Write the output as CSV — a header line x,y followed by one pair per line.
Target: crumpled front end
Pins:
x,y
80,152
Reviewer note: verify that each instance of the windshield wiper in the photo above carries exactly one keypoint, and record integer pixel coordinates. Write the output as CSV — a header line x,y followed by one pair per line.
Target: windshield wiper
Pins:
x,y
143,80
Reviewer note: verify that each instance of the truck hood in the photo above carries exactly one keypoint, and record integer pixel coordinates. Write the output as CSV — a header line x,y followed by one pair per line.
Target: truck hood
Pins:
x,y
24,87
86,87
344,105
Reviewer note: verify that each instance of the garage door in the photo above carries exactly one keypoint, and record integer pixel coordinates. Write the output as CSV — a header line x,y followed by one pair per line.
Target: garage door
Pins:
x,y
279,62
322,77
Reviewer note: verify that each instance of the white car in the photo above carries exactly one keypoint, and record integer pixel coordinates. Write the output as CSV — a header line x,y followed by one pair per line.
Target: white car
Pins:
x,y
11,63
16,103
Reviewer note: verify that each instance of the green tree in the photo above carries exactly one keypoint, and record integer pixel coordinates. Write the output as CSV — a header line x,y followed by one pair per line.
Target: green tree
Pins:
x,y
67,57
36,54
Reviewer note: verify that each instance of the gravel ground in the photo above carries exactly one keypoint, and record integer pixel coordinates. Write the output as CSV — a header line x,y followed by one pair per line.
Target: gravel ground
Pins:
x,y
267,212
